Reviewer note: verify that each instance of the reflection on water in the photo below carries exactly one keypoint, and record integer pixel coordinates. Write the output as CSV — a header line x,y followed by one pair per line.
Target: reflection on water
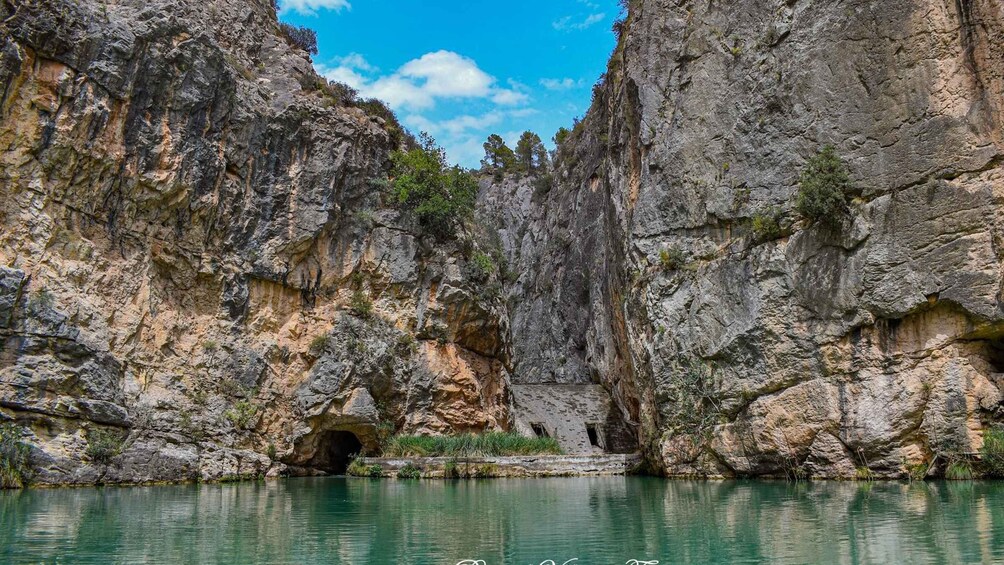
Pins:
x,y
598,521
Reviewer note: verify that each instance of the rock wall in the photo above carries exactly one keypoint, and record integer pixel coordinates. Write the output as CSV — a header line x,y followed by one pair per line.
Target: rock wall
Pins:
x,y
199,259
875,343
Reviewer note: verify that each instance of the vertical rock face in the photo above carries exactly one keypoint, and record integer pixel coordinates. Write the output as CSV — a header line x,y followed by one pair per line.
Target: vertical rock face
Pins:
x,y
875,342
193,238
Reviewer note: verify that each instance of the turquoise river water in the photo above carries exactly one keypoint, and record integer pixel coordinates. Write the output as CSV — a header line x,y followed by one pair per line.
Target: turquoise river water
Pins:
x,y
521,522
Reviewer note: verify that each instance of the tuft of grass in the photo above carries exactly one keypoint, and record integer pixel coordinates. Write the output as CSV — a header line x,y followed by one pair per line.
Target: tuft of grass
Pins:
x,y
918,471
272,452
15,471
451,470
103,446
992,452
491,444
864,474
959,470
409,471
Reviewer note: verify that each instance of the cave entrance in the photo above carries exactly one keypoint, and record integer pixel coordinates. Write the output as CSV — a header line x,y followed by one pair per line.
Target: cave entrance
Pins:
x,y
335,450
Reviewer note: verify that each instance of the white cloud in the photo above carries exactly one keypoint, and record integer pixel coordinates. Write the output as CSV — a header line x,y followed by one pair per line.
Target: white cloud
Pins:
x,y
572,23
559,83
420,82
310,7
448,74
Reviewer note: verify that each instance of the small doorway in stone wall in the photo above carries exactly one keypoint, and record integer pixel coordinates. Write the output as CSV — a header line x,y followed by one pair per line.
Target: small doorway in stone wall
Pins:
x,y
593,431
539,430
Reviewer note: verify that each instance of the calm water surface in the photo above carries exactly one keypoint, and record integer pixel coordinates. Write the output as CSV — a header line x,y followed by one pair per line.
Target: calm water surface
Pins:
x,y
523,522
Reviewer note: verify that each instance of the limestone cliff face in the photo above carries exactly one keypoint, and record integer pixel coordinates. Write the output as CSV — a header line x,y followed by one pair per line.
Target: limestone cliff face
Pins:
x,y
191,234
876,343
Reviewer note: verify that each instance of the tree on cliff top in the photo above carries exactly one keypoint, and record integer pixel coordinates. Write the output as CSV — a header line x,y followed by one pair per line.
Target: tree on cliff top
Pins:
x,y
499,158
531,155
440,196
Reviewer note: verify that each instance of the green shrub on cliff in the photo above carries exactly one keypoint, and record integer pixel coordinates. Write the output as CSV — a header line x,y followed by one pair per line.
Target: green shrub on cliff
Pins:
x,y
823,187
103,446
993,452
440,196
14,469
243,415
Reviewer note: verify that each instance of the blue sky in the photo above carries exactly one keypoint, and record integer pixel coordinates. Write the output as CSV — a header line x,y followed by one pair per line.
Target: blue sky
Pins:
x,y
462,70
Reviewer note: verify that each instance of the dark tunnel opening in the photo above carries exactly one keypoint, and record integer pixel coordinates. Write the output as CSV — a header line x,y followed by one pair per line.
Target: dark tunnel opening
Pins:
x,y
335,452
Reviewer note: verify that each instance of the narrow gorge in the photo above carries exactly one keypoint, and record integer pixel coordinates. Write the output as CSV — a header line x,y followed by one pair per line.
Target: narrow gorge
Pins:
x,y
204,274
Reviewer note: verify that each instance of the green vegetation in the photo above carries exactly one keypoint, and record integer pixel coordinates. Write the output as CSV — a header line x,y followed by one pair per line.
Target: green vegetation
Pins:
x,y
863,473
531,155
672,258
14,468
358,469
993,452
210,346
918,471
490,444
361,304
300,37
409,471
499,158
561,136
481,267
243,415
441,197
103,445
823,187
318,345
767,225
451,470
959,470
486,471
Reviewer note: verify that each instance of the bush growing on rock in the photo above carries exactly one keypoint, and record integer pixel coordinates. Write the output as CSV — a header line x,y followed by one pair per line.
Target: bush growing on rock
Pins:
x,y
243,415
440,196
823,187
409,471
300,36
672,258
318,345
14,468
767,225
361,304
103,445
993,452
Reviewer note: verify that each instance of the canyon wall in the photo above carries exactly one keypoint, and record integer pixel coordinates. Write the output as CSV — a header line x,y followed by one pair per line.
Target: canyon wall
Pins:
x,y
201,260
202,275
829,349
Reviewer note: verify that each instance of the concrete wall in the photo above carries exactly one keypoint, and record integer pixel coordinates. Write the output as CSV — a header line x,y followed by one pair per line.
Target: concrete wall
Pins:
x,y
566,411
